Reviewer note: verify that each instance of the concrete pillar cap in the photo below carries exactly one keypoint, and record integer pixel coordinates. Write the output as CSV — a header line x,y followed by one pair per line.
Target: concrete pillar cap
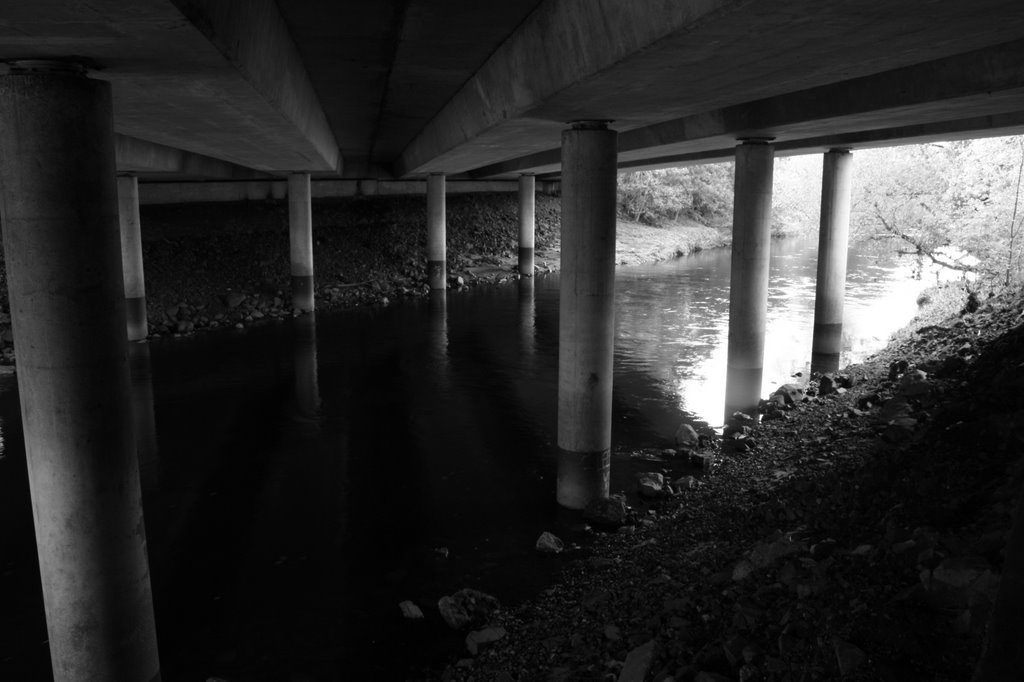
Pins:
x,y
755,140
840,150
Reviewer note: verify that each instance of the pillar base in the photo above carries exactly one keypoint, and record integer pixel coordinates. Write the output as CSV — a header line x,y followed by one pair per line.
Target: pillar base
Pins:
x,y
582,477
437,274
824,363
302,293
138,323
743,391
526,262
826,347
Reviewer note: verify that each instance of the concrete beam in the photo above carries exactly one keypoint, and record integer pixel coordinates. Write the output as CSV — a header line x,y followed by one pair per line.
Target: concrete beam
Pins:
x,y
932,101
139,156
562,43
252,35
263,190
987,81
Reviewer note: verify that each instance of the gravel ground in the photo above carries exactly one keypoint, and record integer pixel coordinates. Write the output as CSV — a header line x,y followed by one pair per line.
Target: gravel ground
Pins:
x,y
856,535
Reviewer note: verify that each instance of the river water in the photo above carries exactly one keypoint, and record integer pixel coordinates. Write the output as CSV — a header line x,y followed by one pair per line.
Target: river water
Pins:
x,y
301,479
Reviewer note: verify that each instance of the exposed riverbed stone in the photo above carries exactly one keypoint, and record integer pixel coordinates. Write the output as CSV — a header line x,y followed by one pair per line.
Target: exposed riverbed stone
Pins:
x,y
549,543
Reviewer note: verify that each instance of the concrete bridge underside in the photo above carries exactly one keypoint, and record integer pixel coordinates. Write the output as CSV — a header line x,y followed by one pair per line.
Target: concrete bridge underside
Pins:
x,y
230,89
370,96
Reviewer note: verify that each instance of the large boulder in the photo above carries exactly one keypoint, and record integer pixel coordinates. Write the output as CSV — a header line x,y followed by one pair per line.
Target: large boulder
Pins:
x,y
606,513
687,438
791,394
467,607
650,484
548,543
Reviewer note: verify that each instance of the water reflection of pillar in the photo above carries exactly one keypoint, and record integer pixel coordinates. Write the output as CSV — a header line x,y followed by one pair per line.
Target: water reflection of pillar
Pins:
x,y
833,240
62,254
527,310
307,387
586,320
437,327
144,415
748,289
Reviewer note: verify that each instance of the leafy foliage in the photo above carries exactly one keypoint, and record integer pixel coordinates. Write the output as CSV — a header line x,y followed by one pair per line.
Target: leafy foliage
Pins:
x,y
946,199
700,193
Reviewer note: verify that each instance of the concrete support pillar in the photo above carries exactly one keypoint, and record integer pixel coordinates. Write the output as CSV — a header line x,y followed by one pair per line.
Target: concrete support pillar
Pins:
x,y
437,275
586,330
131,257
527,199
833,237
300,228
748,291
63,260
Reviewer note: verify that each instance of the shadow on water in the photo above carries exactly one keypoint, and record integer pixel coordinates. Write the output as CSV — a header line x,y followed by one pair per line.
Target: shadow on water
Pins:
x,y
300,478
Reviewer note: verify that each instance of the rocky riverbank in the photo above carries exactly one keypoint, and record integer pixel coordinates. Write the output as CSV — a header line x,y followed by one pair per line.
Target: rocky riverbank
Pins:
x,y
858,532
216,266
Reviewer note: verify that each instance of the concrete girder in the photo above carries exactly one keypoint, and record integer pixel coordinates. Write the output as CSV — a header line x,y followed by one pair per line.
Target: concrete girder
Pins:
x,y
141,157
962,96
225,82
641,64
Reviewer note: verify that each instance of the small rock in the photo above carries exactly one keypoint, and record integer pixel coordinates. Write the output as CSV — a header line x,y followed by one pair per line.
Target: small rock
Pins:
x,y
608,513
485,636
548,543
410,610
441,552
705,676
686,483
914,384
612,632
466,607
742,569
827,384
650,484
791,393
848,656
234,299
686,437
638,663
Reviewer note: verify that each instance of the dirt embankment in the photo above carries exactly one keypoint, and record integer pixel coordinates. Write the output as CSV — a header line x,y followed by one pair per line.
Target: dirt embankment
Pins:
x,y
210,266
860,533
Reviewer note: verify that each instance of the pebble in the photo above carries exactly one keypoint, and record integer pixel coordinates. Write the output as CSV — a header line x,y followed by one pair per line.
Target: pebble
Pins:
x,y
548,543
410,610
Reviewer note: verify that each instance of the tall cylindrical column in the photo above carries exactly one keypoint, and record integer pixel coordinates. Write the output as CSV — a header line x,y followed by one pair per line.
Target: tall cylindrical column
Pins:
x,y
437,274
131,257
586,329
300,230
63,260
833,237
748,289
527,199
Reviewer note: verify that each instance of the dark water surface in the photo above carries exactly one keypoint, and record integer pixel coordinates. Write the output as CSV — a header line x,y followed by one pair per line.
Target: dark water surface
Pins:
x,y
298,478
